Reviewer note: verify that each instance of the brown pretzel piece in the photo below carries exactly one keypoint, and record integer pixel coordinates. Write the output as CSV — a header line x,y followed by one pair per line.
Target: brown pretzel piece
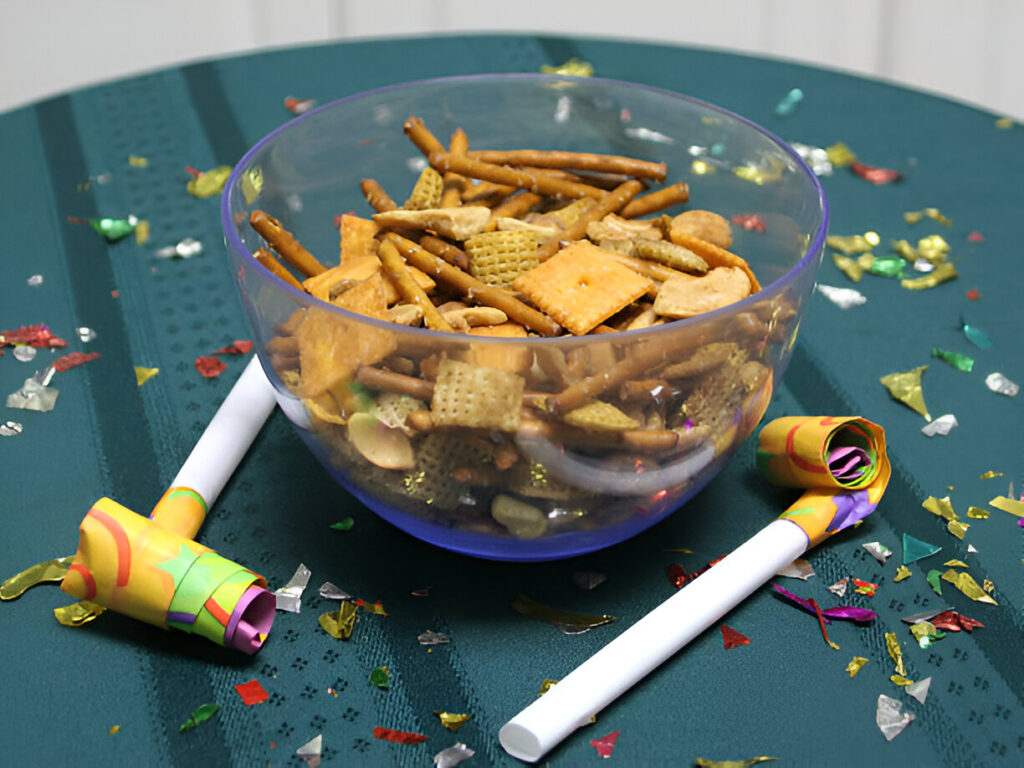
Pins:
x,y
282,241
647,440
469,286
375,195
658,200
450,253
451,194
609,202
384,380
542,183
582,161
396,271
268,260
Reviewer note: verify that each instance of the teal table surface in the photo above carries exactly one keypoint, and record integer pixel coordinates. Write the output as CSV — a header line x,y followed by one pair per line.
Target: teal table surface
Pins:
x,y
115,691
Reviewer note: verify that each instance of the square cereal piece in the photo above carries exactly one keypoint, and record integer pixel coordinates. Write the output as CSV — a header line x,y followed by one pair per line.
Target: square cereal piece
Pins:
x,y
581,286
683,296
499,257
467,395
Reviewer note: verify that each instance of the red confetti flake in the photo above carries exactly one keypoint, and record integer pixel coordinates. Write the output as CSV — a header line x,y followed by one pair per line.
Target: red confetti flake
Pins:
x,y
954,622
115,293
234,348
681,577
193,172
974,294
605,744
864,587
975,237
821,621
732,638
298,106
252,693
874,174
399,737
751,222
73,359
34,335
209,367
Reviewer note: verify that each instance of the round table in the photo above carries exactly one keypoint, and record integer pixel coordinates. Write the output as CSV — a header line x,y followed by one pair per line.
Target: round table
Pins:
x,y
114,692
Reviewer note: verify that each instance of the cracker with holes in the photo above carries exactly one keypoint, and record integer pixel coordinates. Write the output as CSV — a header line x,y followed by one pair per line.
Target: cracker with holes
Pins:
x,y
468,395
682,296
581,286
499,257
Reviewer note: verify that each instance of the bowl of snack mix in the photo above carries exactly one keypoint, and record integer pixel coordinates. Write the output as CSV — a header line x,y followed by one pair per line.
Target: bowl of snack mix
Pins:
x,y
523,317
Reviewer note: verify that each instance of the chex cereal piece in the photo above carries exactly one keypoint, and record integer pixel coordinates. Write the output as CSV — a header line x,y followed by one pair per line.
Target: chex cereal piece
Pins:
x,y
466,395
456,223
357,237
391,408
427,191
438,456
669,254
683,296
706,225
598,414
581,286
613,227
497,258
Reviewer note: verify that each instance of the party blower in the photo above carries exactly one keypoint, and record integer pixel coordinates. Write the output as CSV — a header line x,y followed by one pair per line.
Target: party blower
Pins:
x,y
842,464
151,568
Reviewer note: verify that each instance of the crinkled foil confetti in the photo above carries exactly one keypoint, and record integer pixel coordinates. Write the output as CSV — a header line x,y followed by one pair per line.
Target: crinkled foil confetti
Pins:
x,y
874,174
430,637
944,508
200,714
251,692
1004,123
35,280
142,375
568,622
702,762
453,755
210,367
890,720
855,665
10,428
912,217
941,426
892,645
35,394
588,580
989,475
733,639
310,753
289,597
919,690
38,335
1006,504
788,103
24,354
934,579
902,572
452,720
46,572
956,563
606,744
136,161
1001,385
977,513
183,249
952,621
925,633
768,171
840,155
398,737
914,549
848,267
111,229
798,569
851,244
142,232
376,608
298,106
573,67
816,158
905,386
380,677
85,334
966,584
752,222
339,624
78,614
840,587
883,266
330,591
941,274
73,360
955,359
208,183
844,298
343,525
877,550
862,587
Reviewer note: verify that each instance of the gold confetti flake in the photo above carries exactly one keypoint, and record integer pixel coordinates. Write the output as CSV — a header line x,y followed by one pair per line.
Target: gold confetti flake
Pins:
x,y
901,573
989,475
137,162
905,386
892,645
901,680
42,573
956,563
1006,504
1004,123
142,375
78,614
855,665
573,68
977,513
966,584
942,507
958,528
452,721
840,155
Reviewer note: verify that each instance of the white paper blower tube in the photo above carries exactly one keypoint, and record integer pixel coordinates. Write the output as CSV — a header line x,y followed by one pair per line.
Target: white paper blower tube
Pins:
x,y
644,646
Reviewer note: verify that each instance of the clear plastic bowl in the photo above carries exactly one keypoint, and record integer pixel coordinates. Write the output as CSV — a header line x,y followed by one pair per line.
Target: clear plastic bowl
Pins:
x,y
537,490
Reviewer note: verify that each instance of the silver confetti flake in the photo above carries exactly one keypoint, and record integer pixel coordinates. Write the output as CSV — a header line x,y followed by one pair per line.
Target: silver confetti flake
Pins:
x,y
844,298
877,550
85,334
289,597
35,394
24,353
453,755
1001,385
890,720
941,426
430,637
10,429
35,280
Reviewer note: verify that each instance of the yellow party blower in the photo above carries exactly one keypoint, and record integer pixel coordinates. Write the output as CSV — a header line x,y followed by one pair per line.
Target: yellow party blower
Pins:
x,y
152,569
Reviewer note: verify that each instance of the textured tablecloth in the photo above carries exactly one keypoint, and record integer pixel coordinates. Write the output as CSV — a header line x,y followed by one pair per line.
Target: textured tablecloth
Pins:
x,y
787,694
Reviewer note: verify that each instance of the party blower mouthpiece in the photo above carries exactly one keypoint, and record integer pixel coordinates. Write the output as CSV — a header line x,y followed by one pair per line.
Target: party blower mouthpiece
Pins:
x,y
842,464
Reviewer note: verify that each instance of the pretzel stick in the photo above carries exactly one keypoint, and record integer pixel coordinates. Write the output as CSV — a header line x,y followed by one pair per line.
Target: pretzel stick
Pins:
x,y
396,271
450,253
268,260
451,194
420,135
716,256
375,195
648,440
647,268
384,380
584,161
544,184
658,200
515,206
472,288
281,240
486,192
609,202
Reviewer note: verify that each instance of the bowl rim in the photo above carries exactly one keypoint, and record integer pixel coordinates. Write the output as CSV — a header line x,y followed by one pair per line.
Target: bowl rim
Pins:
x,y
813,250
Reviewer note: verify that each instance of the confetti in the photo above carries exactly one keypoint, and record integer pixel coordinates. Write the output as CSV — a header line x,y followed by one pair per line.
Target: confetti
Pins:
x,y
891,722
751,222
840,155
570,623
78,614
210,367
977,513
298,106
788,103
251,693
453,755
966,584
38,335
10,428
25,354
901,573
939,275
35,394
855,665
839,588
905,387
864,587
844,298
183,249
340,623
975,237
35,280
989,475
892,645
376,608
957,563
925,633
768,171
850,244
111,229
941,426
85,335
236,347
310,752
847,612
912,217
817,158
877,550
398,737
883,266
1006,504
451,720
919,690
343,525
606,744
1004,123
573,68
430,637
137,162
142,375
200,714
289,597
933,578
798,569
74,359
704,763
955,359
46,572
1001,385
380,677
733,639
114,729
588,580
874,174
208,183
142,232
953,621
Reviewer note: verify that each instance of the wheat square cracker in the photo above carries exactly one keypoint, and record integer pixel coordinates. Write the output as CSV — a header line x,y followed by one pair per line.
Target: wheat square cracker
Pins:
x,y
468,395
581,286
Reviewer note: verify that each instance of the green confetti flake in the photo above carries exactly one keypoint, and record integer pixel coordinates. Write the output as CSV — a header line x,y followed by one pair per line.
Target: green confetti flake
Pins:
x,y
976,336
344,525
201,714
955,359
933,578
380,678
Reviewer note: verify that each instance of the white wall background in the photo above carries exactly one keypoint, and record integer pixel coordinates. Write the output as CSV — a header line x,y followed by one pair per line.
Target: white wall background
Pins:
x,y
970,50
